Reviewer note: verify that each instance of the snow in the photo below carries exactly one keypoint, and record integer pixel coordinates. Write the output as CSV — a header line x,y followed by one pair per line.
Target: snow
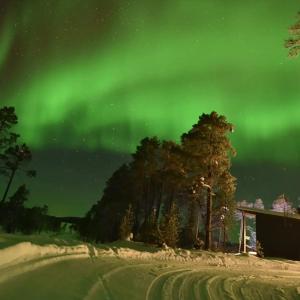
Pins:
x,y
41,267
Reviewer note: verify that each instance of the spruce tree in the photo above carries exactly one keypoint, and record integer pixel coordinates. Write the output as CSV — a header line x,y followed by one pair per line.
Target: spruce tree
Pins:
x,y
170,226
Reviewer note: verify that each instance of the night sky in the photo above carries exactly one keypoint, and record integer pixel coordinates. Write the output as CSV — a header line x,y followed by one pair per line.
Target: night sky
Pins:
x,y
90,78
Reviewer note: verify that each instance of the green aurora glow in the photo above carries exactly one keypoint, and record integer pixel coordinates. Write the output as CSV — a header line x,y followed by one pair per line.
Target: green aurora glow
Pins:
x,y
88,75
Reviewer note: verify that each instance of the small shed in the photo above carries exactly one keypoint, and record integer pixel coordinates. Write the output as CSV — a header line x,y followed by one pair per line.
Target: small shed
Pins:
x,y
277,232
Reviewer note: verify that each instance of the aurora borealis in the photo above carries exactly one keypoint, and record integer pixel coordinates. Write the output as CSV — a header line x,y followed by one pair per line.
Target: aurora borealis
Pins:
x,y
90,78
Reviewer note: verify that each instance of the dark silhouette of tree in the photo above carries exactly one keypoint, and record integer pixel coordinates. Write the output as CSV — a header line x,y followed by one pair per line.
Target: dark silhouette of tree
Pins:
x,y
158,175
145,167
172,173
149,231
208,150
102,222
20,196
8,119
127,223
189,234
35,219
12,155
14,216
12,212
13,159
293,43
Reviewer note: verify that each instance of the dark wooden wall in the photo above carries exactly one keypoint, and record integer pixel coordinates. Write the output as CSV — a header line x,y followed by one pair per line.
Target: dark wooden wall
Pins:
x,y
279,236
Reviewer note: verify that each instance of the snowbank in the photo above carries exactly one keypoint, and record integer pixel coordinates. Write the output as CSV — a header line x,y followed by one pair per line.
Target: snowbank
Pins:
x,y
129,270
26,256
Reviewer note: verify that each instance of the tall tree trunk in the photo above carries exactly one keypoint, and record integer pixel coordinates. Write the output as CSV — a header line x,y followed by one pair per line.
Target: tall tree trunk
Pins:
x,y
207,245
159,201
136,223
171,199
197,225
12,175
224,237
152,195
208,220
145,197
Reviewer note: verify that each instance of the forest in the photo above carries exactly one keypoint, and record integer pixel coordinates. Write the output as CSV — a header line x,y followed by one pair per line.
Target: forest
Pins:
x,y
173,194
177,194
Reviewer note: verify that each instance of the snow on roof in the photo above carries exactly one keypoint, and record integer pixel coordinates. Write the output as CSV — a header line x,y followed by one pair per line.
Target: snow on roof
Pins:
x,y
258,211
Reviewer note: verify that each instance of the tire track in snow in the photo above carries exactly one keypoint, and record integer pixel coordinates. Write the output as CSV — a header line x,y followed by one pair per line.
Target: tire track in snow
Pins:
x,y
102,283
169,289
199,290
248,287
222,287
160,281
210,286
188,287
228,288
98,286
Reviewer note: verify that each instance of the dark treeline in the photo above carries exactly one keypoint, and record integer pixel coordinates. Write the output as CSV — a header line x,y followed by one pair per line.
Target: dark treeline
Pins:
x,y
16,217
178,194
14,157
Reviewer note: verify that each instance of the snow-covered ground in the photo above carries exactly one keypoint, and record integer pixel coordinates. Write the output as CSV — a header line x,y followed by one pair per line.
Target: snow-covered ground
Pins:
x,y
43,267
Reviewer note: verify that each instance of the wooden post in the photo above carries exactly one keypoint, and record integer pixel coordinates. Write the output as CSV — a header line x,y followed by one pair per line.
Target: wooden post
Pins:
x,y
244,234
241,235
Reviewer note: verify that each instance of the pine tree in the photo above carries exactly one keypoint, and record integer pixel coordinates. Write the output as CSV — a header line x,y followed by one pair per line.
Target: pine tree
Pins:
x,y
293,43
127,223
12,155
13,158
208,152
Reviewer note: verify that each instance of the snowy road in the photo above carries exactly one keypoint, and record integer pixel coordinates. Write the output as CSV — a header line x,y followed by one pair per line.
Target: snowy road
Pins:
x,y
128,274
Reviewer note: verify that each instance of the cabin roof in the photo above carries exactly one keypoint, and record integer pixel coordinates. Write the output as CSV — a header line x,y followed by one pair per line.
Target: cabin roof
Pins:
x,y
258,211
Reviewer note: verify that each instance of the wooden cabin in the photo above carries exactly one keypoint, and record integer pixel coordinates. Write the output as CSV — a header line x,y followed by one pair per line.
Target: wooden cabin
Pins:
x,y
277,232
